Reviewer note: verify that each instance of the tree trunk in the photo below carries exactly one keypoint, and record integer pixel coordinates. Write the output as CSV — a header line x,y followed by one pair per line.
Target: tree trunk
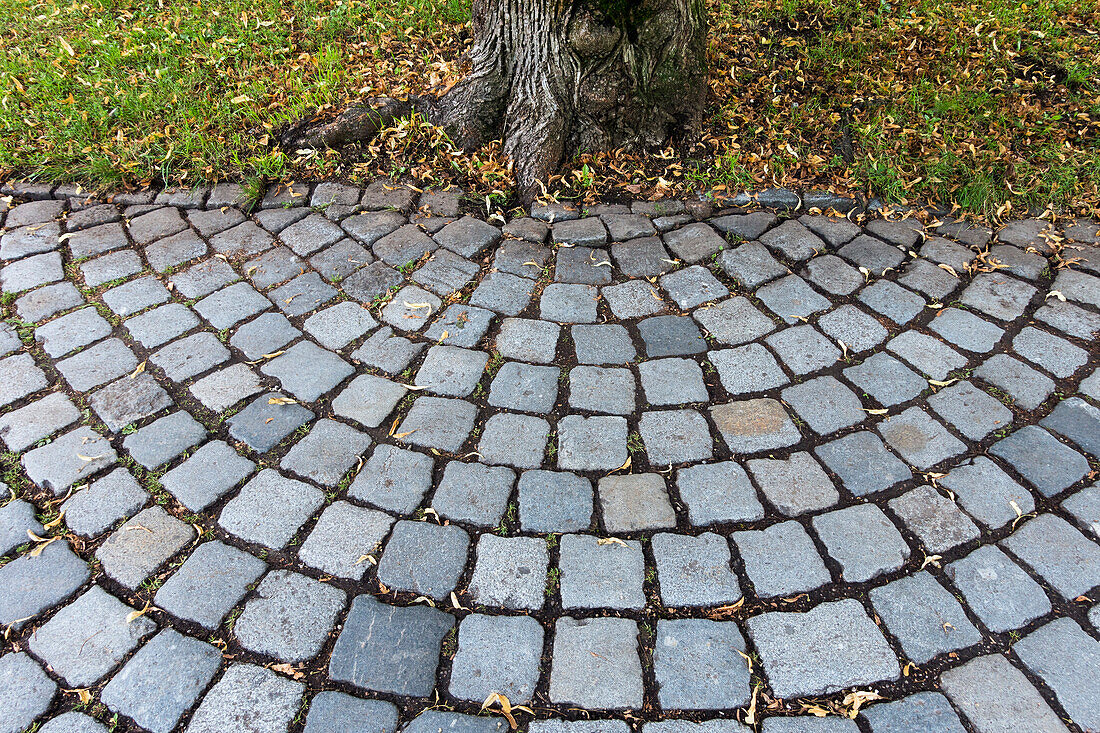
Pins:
x,y
558,77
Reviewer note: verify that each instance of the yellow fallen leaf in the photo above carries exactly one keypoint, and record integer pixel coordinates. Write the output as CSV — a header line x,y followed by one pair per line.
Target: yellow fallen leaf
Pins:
x,y
1056,294
875,412
135,615
139,370
66,46
610,541
241,99
938,383
948,268
89,459
54,523
400,436
281,401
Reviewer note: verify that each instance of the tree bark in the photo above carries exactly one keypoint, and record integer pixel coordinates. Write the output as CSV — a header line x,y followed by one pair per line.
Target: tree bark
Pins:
x,y
554,78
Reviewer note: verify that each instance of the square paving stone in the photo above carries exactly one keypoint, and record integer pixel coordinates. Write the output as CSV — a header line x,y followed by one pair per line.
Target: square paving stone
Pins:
x,y
602,389
698,665
1077,420
248,699
595,575
746,226
804,349
307,371
997,590
510,572
71,331
209,584
1078,286
633,299
886,379
924,711
642,257
528,340
596,443
423,558
92,367
100,621
934,519
162,681
717,493
340,260
27,691
569,303
32,239
264,335
734,321
871,253
204,278
190,356
503,293
311,234
998,295
893,301
434,721
270,509
160,325
931,356
225,388
920,440
407,244
34,271
694,571
156,224
863,541
460,325
671,336
22,428
264,423
304,294
854,328
694,242
792,299
393,479
627,226
672,382
331,712
924,617
752,426
693,286
825,404
445,272
164,439
583,265
966,330
523,258
175,250
327,453
142,545
751,265
596,664
339,325
933,281
289,617
108,267
390,649
126,401
635,502
1063,656
747,369
483,666
830,648
519,386
1056,355
231,305
862,463
603,344
514,440
33,583
796,485
905,233
793,241
208,474
1027,387
1049,465
474,493
986,492
468,236
451,371
1058,553
96,507
971,411
994,696
135,296
551,501
588,232
343,535
410,309
16,519
675,436
781,560
808,724
63,462
436,422
833,275
216,219
274,266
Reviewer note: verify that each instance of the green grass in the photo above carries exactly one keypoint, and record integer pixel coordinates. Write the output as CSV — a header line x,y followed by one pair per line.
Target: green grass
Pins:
x,y
977,104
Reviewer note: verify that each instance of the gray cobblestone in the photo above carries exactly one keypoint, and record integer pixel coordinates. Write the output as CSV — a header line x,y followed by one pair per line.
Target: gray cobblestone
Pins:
x,y
595,575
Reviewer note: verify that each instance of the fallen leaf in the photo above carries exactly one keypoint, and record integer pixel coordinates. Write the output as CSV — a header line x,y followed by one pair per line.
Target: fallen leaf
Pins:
x,y
610,541
281,401
135,615
139,370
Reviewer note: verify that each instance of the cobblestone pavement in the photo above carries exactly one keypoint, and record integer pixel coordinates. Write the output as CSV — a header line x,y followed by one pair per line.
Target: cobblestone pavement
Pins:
x,y
659,468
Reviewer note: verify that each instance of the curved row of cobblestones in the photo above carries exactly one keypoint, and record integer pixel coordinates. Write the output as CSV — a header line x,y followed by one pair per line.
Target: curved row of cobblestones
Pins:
x,y
356,461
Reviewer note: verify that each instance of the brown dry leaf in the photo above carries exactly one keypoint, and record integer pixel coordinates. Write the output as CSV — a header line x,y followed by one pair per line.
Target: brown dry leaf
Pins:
x,y
853,701
401,436
45,542
289,669
55,522
948,268
750,713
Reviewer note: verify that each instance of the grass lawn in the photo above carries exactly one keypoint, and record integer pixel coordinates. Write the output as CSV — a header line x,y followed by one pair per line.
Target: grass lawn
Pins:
x,y
993,105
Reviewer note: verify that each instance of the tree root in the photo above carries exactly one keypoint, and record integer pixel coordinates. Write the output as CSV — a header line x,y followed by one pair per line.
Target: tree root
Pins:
x,y
354,124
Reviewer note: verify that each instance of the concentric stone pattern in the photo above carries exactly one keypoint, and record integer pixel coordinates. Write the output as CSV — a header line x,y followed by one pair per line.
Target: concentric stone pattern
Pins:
x,y
353,460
